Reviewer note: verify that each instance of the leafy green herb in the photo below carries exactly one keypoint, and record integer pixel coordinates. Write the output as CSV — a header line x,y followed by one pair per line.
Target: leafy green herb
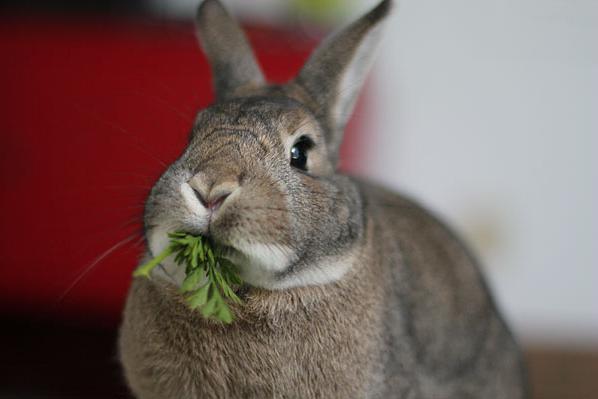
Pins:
x,y
209,276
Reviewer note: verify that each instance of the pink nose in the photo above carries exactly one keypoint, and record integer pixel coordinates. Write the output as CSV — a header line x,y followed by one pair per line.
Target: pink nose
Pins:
x,y
211,203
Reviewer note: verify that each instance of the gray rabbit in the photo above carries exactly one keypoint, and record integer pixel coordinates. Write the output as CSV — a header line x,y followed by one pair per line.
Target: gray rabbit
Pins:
x,y
352,291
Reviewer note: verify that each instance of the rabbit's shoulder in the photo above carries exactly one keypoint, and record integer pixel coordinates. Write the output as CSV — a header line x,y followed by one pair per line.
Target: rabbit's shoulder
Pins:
x,y
424,254
410,227
439,306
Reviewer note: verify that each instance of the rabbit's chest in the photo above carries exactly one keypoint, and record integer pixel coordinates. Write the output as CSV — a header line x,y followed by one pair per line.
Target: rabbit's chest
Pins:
x,y
316,360
169,352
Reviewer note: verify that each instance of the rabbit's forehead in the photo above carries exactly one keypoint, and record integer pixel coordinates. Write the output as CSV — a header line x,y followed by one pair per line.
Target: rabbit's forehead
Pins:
x,y
267,118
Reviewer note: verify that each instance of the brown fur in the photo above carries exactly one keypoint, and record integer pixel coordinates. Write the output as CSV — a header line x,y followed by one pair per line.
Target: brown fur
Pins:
x,y
332,341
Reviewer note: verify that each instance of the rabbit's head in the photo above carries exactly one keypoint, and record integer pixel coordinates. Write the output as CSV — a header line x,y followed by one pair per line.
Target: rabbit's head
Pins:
x,y
259,174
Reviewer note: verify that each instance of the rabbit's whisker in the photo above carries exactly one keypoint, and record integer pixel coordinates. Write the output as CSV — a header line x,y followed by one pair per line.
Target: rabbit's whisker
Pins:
x,y
124,131
94,263
185,117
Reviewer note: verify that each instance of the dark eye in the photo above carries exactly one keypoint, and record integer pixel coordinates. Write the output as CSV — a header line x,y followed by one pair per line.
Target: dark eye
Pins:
x,y
299,152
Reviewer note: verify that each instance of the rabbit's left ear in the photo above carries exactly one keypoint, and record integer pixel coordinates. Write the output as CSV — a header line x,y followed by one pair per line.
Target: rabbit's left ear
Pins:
x,y
233,63
335,72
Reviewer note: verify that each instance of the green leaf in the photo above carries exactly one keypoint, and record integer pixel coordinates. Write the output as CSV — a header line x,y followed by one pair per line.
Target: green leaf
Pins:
x,y
218,277
199,297
231,294
192,280
195,255
224,314
202,253
211,256
193,261
208,309
179,258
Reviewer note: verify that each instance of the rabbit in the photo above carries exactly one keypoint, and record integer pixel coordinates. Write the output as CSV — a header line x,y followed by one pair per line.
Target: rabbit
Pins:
x,y
350,290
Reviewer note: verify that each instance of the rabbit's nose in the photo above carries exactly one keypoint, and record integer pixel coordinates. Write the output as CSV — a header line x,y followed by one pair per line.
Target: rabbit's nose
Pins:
x,y
211,196
211,202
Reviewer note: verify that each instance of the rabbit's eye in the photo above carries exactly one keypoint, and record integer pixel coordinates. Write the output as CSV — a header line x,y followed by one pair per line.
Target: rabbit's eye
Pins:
x,y
299,152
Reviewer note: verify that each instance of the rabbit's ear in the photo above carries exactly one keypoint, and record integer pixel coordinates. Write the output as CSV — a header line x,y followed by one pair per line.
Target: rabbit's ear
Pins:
x,y
227,49
334,74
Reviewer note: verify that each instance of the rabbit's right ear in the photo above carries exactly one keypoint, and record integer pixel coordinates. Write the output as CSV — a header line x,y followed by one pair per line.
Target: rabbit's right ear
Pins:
x,y
227,49
335,72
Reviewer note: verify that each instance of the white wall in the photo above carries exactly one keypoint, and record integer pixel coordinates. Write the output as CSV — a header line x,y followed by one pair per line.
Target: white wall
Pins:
x,y
487,111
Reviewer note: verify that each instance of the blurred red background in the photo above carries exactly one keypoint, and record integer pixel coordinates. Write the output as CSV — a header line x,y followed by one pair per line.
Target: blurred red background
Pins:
x,y
91,113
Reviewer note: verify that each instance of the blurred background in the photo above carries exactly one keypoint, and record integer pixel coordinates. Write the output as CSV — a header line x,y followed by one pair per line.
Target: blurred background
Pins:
x,y
485,111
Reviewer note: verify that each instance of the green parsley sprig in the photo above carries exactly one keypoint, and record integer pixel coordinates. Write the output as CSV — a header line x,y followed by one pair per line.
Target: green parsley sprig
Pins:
x,y
209,276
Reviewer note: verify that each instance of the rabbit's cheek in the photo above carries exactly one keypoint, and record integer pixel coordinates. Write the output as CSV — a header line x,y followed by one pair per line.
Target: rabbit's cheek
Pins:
x,y
260,263
158,240
326,270
269,257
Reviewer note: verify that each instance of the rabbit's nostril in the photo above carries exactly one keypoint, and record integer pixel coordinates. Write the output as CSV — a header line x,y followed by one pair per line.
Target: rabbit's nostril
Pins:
x,y
212,202
199,197
215,203
211,194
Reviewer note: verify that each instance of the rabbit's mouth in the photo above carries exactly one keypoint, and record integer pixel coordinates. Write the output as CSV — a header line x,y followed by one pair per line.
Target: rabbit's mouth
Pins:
x,y
258,264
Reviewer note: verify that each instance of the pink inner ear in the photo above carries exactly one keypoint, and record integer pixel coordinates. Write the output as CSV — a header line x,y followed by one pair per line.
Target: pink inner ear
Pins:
x,y
91,115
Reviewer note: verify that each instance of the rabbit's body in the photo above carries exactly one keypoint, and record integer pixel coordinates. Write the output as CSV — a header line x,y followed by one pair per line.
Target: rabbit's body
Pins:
x,y
411,319
353,291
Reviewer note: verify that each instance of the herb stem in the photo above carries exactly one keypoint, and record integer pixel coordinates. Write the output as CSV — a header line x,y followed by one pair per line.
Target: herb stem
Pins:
x,y
146,269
